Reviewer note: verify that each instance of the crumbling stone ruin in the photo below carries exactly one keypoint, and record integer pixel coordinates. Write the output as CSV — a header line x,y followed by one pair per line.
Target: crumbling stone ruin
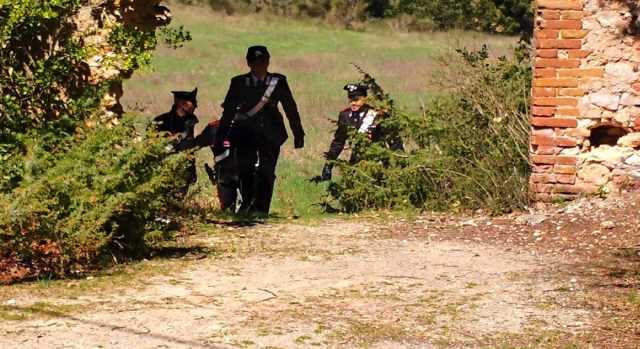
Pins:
x,y
585,98
94,24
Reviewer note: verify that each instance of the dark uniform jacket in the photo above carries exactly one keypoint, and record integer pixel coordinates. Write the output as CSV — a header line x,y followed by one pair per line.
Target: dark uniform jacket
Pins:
x,y
181,126
268,125
349,120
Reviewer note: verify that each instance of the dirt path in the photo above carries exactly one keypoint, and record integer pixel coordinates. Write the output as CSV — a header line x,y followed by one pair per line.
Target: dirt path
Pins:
x,y
337,285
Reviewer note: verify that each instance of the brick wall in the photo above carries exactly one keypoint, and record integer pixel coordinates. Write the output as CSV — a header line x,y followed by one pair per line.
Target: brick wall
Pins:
x,y
585,77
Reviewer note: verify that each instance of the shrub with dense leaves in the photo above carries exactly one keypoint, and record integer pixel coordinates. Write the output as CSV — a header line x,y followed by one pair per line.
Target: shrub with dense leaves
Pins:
x,y
100,199
496,16
71,193
467,149
44,92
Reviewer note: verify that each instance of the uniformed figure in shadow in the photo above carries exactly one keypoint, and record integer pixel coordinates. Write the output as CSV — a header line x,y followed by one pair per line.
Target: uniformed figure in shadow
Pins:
x,y
253,128
361,118
179,123
224,174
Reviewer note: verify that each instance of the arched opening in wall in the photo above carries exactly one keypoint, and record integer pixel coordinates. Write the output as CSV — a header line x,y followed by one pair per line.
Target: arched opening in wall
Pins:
x,y
606,134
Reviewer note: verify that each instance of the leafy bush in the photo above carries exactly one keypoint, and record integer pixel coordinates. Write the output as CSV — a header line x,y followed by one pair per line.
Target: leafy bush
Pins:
x,y
467,149
497,16
44,92
101,198
69,195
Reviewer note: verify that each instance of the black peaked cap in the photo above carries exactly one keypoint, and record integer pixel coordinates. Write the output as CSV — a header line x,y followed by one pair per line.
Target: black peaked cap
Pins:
x,y
190,96
356,90
255,53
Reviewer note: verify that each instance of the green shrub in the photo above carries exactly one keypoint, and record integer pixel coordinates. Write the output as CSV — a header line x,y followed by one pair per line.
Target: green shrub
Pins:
x,y
44,92
496,16
467,149
98,200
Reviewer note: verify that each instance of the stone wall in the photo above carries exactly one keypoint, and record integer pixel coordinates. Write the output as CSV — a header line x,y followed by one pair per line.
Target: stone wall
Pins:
x,y
586,98
95,22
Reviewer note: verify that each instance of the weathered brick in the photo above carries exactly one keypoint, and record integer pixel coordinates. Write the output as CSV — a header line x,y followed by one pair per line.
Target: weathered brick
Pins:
x,y
543,159
571,14
566,160
578,54
544,72
575,112
582,73
543,111
543,178
560,4
557,63
578,132
574,92
541,188
556,82
555,101
566,142
575,189
565,179
553,141
542,197
547,53
547,150
542,140
554,122
550,14
564,169
542,131
543,92
562,24
559,43
542,168
573,34
547,34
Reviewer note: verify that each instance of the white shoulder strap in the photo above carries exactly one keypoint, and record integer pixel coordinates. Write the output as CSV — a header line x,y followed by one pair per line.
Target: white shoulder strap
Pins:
x,y
271,86
367,121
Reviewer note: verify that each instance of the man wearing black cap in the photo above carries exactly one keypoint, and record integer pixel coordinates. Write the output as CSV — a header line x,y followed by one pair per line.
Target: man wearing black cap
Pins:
x,y
253,125
179,123
358,116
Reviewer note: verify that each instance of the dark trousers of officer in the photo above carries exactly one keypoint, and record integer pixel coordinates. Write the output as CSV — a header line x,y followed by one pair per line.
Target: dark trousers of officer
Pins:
x,y
257,182
247,158
228,181
268,154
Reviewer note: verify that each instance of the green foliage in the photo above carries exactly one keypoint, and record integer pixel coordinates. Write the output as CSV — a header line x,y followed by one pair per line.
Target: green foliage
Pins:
x,y
33,74
67,193
468,149
495,16
44,93
98,199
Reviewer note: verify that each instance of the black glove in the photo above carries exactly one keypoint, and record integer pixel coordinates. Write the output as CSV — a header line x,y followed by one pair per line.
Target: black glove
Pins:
x,y
298,142
325,176
213,176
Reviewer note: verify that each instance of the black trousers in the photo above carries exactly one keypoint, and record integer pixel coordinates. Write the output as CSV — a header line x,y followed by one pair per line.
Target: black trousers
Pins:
x,y
228,182
257,176
265,176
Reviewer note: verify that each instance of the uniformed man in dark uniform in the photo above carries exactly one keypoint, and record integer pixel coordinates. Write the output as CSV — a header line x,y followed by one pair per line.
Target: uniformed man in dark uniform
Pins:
x,y
224,174
252,124
363,118
180,123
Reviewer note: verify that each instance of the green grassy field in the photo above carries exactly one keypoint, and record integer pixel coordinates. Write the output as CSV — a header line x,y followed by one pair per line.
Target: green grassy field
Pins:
x,y
317,60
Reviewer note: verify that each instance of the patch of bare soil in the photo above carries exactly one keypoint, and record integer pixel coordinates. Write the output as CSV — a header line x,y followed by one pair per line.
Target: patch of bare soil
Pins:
x,y
550,279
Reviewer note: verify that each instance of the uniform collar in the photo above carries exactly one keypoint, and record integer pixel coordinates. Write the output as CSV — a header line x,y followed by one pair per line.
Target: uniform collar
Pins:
x,y
254,78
